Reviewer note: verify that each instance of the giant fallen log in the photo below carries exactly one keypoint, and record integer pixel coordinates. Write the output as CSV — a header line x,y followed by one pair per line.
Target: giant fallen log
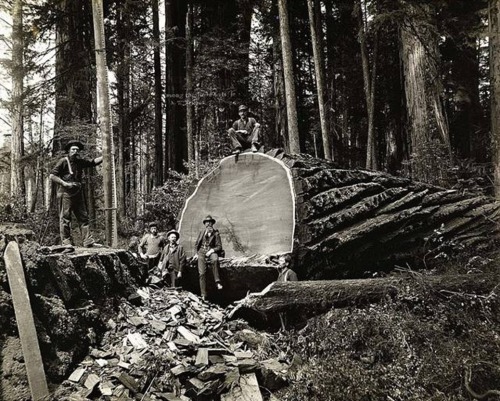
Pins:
x,y
334,221
300,300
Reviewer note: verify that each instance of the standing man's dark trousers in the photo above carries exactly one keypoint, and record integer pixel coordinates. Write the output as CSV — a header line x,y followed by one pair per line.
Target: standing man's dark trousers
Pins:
x,y
153,262
202,269
73,203
244,141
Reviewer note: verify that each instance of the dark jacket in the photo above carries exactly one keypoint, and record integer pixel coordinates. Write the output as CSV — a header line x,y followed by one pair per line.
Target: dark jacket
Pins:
x,y
214,241
73,173
175,260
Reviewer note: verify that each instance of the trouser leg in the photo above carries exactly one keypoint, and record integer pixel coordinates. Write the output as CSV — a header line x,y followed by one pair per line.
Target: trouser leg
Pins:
x,y
81,214
238,140
202,271
173,275
65,219
214,261
153,262
254,137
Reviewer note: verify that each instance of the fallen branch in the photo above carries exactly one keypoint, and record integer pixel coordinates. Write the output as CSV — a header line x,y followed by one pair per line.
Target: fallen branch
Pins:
x,y
467,383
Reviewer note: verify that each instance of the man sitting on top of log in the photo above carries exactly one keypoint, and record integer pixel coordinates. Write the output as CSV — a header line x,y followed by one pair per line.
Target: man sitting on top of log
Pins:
x,y
244,133
208,246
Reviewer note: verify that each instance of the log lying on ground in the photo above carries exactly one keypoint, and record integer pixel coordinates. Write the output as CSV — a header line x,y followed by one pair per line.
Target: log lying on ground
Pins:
x,y
334,221
300,300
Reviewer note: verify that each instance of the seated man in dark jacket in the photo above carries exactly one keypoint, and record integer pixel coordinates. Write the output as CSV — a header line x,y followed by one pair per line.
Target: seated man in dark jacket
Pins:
x,y
208,246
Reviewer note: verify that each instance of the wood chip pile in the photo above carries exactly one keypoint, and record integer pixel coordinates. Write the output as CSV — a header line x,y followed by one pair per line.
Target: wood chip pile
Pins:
x,y
171,345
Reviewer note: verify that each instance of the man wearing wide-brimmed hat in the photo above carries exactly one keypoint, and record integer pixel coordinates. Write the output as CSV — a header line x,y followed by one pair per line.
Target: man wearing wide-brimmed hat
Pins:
x,y
151,246
173,259
245,132
208,245
68,173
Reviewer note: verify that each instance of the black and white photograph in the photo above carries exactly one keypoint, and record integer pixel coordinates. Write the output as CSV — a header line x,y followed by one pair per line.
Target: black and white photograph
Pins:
x,y
249,200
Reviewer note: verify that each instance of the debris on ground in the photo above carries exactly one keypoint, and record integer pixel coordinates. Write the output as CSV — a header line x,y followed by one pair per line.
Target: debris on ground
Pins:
x,y
175,346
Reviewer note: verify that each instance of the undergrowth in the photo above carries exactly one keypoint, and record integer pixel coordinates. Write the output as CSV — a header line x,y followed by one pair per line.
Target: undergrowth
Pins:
x,y
421,345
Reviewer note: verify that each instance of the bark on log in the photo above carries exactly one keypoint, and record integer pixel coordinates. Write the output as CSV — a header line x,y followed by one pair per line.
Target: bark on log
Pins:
x,y
336,222
301,300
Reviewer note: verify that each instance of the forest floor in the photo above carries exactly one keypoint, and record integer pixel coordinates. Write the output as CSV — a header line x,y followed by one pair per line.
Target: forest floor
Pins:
x,y
420,345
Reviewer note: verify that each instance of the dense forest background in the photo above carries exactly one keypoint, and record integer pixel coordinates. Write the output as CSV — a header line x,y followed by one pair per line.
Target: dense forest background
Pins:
x,y
407,87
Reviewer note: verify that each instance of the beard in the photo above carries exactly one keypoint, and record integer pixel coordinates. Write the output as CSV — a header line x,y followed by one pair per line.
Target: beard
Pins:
x,y
74,157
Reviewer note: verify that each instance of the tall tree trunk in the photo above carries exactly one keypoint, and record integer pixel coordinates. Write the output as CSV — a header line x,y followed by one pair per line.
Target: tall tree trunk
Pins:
x,y
316,36
189,82
428,125
330,77
74,80
495,90
105,119
123,95
280,127
291,106
17,186
175,30
158,92
369,80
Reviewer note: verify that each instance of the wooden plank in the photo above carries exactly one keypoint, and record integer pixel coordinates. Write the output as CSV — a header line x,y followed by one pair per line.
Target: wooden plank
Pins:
x,y
25,322
202,357
246,390
188,335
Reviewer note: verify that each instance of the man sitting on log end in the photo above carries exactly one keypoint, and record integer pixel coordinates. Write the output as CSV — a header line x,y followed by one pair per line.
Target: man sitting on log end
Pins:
x,y
244,133
208,247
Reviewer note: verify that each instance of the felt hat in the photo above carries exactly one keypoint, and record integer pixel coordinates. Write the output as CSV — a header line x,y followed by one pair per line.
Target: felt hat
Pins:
x,y
73,143
209,218
242,107
173,232
153,224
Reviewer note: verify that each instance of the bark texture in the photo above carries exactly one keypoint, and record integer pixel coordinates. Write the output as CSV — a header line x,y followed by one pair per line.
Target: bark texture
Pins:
x,y
189,84
291,105
158,144
344,223
495,90
72,298
300,300
316,36
175,23
427,121
17,188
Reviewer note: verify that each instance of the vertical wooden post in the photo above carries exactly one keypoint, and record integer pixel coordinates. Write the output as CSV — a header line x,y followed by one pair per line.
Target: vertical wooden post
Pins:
x,y
104,114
